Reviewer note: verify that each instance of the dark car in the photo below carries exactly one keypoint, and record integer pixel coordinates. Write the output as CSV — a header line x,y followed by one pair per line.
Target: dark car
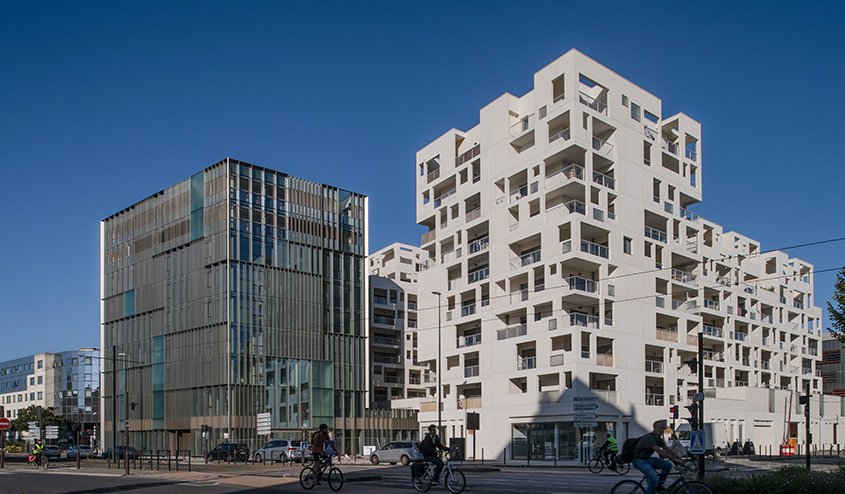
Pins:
x,y
134,454
52,452
229,452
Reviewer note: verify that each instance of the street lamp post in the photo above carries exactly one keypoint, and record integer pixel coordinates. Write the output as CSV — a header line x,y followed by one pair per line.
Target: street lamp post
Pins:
x,y
439,387
125,417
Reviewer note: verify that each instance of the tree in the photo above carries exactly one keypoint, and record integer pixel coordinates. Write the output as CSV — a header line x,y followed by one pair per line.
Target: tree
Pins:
x,y
30,414
837,311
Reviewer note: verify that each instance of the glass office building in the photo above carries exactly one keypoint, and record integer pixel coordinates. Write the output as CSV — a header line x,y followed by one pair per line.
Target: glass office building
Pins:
x,y
238,291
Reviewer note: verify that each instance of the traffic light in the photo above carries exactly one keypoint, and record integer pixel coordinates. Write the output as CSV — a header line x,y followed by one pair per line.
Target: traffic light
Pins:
x,y
673,411
693,418
693,365
803,399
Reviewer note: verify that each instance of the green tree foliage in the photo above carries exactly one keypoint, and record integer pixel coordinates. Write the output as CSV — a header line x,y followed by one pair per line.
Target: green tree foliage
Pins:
x,y
837,308
30,414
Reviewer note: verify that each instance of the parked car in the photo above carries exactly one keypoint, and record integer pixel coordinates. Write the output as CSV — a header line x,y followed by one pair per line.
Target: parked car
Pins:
x,y
399,451
52,452
133,453
279,450
84,452
229,452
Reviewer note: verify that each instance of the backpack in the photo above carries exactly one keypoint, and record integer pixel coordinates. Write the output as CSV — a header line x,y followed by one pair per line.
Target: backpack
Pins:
x,y
427,447
629,449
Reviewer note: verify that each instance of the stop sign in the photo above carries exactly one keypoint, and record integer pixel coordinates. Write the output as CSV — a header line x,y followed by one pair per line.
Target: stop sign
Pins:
x,y
5,424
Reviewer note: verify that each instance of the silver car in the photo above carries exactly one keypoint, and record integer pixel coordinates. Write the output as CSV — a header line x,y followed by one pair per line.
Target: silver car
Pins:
x,y
279,450
403,452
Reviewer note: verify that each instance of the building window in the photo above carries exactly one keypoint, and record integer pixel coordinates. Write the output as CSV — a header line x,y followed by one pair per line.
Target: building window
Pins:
x,y
40,395
626,245
32,381
635,112
542,112
624,101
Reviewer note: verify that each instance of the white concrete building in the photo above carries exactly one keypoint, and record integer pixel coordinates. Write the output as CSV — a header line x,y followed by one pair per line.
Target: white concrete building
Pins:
x,y
395,373
572,265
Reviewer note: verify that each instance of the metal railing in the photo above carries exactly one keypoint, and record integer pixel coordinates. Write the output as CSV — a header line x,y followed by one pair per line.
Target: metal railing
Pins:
x,y
655,366
691,154
439,200
383,340
594,249
512,332
593,103
581,284
469,340
655,234
584,320
686,213
570,172
478,275
387,321
529,258
683,276
711,304
563,135
468,309
606,180
472,153
654,399
739,336
473,214
471,371
433,175
601,145
479,244
526,363
576,206
428,236
712,331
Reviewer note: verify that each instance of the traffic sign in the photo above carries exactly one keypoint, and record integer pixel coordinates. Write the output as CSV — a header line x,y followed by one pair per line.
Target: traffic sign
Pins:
x,y
262,421
5,423
586,425
698,397
586,406
51,432
586,417
696,442
586,398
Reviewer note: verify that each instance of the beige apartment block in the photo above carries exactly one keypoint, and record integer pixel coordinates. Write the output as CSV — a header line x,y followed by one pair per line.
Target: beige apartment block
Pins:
x,y
396,378
573,269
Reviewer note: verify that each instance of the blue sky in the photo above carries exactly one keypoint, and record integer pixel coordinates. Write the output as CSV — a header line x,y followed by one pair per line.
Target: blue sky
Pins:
x,y
104,103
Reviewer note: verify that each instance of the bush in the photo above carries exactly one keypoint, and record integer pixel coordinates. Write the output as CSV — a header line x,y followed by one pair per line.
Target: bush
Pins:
x,y
784,480
13,448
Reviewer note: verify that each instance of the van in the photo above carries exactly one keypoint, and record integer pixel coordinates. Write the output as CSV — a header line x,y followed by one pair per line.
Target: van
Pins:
x,y
715,438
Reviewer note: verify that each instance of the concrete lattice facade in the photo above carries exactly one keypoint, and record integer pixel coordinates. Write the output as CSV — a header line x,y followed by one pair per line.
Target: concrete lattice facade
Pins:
x,y
237,291
572,265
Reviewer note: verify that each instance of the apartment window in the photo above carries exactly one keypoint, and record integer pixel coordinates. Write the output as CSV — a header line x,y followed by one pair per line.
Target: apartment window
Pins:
x,y
32,381
40,364
624,101
635,112
40,395
40,379
626,245
542,112
31,396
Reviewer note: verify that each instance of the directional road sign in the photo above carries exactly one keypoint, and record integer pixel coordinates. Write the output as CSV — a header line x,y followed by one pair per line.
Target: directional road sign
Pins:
x,y
585,406
5,423
586,398
586,417
586,425
263,424
698,397
696,442
51,432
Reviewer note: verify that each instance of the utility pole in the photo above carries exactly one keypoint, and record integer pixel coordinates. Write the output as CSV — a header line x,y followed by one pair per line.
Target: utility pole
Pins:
x,y
439,371
114,402
805,400
701,403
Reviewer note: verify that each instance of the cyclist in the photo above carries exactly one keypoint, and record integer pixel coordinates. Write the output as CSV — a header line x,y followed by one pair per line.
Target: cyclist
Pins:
x,y
321,448
38,451
609,449
647,445
430,448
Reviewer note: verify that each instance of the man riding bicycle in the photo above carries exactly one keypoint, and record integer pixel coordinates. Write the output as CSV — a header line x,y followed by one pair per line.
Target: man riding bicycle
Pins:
x,y
609,449
430,447
321,448
643,461
38,450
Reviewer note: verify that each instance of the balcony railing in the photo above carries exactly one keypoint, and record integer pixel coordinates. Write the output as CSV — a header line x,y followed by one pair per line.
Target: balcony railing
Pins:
x,y
605,395
711,304
512,332
381,340
683,276
601,145
473,214
519,193
380,300
570,172
712,331
384,320
576,206
672,147
594,249
715,356
526,363
468,310
655,366
478,275
439,200
604,359
556,360
654,399
428,406
529,258
469,340
655,234
479,245
667,335
592,103
472,153
433,175
686,213
691,154
581,284
381,359
660,301
428,236
739,336
584,320
471,371
563,135
605,180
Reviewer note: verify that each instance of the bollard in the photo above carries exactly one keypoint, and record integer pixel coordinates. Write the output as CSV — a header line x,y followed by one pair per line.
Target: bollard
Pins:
x,y
189,460
168,461
177,460
554,452
504,456
482,456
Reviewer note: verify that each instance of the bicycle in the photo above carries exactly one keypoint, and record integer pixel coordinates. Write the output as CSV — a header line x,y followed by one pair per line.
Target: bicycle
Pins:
x,y
679,486
311,475
39,461
597,464
453,478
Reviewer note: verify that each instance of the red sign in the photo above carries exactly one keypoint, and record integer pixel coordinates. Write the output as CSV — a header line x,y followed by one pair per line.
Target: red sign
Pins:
x,y
5,424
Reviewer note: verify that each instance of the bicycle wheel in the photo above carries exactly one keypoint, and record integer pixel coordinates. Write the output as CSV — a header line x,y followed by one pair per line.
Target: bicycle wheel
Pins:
x,y
693,487
455,481
689,469
422,483
307,478
595,465
623,468
335,479
628,487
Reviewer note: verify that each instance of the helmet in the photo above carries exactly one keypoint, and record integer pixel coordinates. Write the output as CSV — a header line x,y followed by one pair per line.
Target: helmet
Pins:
x,y
324,427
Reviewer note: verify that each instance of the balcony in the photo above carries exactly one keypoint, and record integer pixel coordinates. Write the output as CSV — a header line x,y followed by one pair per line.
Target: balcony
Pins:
x,y
385,359
428,406
469,340
670,147
512,332
470,402
529,258
581,284
384,321
690,154
653,399
739,336
382,340
712,331
683,276
594,249
478,275
563,135
556,360
472,153
715,356
473,214
592,103
686,213
605,180
576,206
570,172
380,300
468,310
711,304
519,193
471,371
479,245
524,363
667,335
604,359
439,200
655,366
433,175
606,395
584,320
428,237
655,234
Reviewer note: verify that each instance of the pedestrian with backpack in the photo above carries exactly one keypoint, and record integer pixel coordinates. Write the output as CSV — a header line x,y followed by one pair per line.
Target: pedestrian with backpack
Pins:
x,y
644,461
